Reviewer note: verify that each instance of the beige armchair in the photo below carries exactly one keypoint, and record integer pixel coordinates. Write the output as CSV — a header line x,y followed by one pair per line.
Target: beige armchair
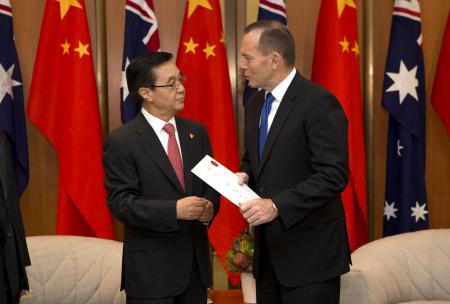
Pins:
x,y
406,268
74,270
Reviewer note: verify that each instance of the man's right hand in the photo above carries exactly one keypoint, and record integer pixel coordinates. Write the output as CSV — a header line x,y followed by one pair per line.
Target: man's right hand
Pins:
x,y
191,207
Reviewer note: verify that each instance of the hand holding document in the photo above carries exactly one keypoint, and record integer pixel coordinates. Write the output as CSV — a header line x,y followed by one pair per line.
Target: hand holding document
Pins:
x,y
223,180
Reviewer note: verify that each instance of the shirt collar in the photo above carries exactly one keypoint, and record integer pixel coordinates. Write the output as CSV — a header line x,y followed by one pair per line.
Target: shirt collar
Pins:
x,y
156,123
279,91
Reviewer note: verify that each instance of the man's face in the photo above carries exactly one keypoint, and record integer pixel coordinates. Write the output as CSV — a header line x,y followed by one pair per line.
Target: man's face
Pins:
x,y
164,102
256,67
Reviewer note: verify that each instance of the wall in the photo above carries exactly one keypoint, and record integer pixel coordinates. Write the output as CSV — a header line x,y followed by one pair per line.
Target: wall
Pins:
x,y
39,201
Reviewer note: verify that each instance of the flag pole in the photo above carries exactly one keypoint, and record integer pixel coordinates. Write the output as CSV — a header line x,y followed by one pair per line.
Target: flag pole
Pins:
x,y
368,98
241,22
101,60
230,33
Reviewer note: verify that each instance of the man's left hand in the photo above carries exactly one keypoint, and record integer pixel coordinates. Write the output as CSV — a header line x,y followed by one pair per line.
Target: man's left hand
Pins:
x,y
258,211
208,213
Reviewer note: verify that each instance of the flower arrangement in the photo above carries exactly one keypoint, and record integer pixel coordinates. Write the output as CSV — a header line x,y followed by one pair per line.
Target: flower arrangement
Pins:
x,y
240,255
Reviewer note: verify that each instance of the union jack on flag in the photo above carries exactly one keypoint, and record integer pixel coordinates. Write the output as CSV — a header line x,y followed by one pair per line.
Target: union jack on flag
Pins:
x,y
268,10
12,114
141,36
272,10
405,206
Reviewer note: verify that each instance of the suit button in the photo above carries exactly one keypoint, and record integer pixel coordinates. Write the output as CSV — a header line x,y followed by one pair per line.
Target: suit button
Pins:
x,y
261,189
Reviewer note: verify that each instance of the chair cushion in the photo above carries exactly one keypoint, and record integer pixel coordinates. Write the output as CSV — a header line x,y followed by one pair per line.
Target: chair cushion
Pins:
x,y
426,302
74,269
406,267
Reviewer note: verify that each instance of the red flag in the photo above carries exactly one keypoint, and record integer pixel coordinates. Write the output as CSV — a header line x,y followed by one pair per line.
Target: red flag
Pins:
x,y
63,105
440,97
202,57
336,67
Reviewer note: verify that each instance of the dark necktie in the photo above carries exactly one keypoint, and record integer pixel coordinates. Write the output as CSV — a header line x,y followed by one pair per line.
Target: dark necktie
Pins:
x,y
174,153
264,124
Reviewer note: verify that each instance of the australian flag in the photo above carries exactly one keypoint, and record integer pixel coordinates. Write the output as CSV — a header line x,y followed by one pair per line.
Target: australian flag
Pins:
x,y
12,115
405,206
141,36
268,10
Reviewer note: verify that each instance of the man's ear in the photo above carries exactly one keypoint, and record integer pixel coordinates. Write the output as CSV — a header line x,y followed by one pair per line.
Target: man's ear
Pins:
x,y
146,94
276,60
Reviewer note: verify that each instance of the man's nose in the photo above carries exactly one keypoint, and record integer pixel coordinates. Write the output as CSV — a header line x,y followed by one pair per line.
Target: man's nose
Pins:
x,y
180,88
242,64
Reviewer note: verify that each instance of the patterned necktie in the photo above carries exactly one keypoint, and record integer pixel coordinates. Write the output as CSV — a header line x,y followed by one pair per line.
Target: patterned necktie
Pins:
x,y
174,153
264,125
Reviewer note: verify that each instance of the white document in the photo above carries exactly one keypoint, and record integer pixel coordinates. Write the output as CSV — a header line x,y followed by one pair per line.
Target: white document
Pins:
x,y
223,180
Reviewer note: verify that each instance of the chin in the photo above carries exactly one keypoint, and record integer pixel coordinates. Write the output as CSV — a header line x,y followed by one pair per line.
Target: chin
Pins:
x,y
180,107
251,84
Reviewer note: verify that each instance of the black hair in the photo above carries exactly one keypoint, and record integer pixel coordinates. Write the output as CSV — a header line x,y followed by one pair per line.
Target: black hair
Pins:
x,y
140,72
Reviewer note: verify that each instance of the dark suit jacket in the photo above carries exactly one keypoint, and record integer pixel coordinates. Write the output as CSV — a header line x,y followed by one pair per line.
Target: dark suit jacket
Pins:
x,y
13,247
303,169
159,250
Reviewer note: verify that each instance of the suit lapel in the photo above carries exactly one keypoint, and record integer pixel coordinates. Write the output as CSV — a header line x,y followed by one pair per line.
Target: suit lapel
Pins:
x,y
187,140
281,117
150,143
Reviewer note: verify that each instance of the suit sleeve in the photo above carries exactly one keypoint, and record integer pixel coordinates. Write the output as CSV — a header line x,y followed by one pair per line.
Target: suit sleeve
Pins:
x,y
246,168
245,164
124,197
4,220
326,131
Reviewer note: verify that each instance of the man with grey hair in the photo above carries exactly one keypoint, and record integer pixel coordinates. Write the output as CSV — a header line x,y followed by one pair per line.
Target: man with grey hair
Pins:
x,y
297,161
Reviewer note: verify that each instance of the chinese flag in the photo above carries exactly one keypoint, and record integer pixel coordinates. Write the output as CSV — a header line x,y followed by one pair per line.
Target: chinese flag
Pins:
x,y
63,105
336,67
440,97
202,57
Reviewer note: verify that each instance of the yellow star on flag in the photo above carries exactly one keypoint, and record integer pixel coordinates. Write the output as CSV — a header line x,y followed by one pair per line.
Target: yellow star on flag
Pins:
x,y
209,50
222,38
344,44
64,6
190,46
82,49
193,4
342,3
66,47
355,48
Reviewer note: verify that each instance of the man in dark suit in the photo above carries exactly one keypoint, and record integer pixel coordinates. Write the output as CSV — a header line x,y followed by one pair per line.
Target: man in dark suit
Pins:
x,y
296,160
13,247
165,209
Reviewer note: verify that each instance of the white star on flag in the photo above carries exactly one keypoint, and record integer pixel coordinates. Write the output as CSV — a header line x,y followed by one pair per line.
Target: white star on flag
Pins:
x,y
124,84
6,82
419,211
389,210
399,148
405,82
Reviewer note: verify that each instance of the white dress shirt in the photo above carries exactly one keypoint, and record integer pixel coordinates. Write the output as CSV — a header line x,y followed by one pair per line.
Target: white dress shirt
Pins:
x,y
157,125
278,93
